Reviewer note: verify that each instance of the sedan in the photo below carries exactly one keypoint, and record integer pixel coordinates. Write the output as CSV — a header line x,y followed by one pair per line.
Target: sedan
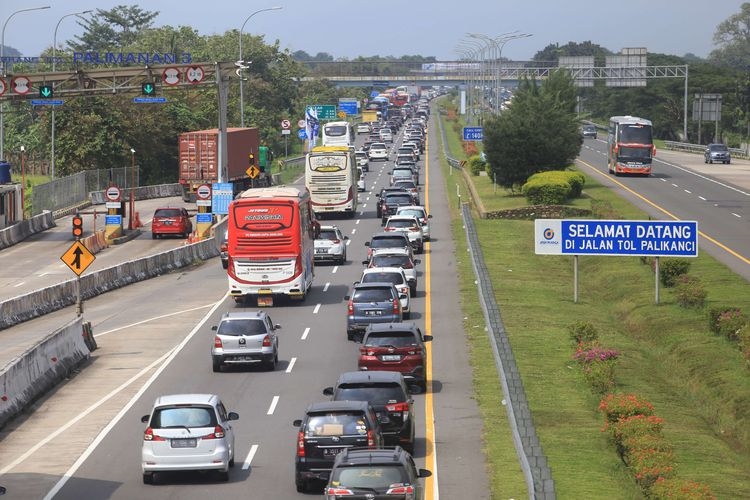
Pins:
x,y
378,151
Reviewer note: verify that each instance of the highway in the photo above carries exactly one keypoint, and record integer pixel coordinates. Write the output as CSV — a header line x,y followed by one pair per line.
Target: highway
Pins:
x,y
84,440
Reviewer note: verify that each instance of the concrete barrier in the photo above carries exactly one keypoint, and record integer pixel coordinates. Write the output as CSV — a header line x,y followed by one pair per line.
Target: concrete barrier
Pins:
x,y
19,232
52,298
41,367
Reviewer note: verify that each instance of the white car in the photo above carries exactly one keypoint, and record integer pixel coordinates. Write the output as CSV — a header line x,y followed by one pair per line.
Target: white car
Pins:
x,y
362,160
188,432
363,128
330,245
361,186
393,275
411,226
386,135
396,257
378,151
421,213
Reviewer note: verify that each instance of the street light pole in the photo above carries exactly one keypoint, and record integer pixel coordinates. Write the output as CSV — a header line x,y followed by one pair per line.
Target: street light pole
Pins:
x,y
2,56
131,225
239,72
501,41
23,183
54,60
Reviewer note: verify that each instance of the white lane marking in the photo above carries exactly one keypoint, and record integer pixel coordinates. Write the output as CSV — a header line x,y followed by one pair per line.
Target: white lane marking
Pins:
x,y
335,268
43,274
170,356
737,215
674,185
19,284
354,230
305,333
702,198
317,308
347,242
688,192
357,223
131,325
250,456
272,408
325,288
291,365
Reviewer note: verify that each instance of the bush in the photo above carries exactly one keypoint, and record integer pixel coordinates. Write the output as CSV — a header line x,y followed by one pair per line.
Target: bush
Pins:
x,y
573,178
476,165
582,332
542,192
629,431
671,268
690,292
649,464
727,322
618,406
673,489
470,148
599,373
743,337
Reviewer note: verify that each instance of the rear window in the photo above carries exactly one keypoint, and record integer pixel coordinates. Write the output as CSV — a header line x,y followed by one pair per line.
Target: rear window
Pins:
x,y
379,393
378,277
328,235
237,327
168,212
400,223
394,339
373,295
183,416
371,477
398,199
335,424
391,261
415,213
386,242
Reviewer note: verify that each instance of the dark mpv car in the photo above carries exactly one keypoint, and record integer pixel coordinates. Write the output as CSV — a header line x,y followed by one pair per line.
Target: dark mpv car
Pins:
x,y
371,303
388,394
327,429
395,347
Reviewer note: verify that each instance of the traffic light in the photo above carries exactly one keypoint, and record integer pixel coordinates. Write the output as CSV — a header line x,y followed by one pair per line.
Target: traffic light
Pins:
x,y
148,88
77,226
263,156
251,159
45,91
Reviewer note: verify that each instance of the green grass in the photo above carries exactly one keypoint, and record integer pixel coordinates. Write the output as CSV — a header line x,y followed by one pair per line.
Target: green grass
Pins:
x,y
697,381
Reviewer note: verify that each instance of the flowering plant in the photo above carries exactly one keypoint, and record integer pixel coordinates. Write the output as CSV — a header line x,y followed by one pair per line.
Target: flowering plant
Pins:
x,y
671,488
617,406
591,353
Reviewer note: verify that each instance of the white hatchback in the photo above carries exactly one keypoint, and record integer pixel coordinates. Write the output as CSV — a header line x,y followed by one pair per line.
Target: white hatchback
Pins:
x,y
188,432
409,225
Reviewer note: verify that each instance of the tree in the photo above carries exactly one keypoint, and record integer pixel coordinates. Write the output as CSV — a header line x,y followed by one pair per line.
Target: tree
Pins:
x,y
733,38
118,27
538,132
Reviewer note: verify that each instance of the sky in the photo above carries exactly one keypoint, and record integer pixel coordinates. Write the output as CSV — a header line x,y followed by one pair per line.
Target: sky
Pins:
x,y
439,28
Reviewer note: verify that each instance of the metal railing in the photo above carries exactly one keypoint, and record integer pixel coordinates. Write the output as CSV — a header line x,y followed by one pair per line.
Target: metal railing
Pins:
x,y
699,149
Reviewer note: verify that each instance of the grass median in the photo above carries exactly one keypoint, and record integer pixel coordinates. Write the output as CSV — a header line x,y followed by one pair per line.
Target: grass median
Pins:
x,y
698,382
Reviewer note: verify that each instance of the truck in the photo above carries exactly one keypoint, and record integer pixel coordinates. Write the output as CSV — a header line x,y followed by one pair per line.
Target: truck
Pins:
x,y
199,159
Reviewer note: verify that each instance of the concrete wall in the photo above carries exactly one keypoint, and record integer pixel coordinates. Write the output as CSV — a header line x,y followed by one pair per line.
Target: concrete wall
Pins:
x,y
19,232
40,368
141,193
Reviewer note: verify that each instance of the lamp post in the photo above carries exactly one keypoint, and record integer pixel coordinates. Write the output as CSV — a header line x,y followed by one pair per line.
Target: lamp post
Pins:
x,y
501,41
131,225
239,72
23,183
2,56
54,60
477,53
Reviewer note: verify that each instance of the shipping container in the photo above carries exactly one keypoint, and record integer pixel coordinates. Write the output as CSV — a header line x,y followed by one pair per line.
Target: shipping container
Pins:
x,y
199,158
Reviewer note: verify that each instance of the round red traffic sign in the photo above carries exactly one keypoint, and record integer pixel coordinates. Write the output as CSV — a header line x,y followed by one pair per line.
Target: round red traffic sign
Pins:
x,y
20,85
2,86
285,124
302,124
113,193
203,192
171,76
194,74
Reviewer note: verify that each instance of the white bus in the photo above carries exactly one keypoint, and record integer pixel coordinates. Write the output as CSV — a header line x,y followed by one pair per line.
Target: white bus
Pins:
x,y
338,134
331,178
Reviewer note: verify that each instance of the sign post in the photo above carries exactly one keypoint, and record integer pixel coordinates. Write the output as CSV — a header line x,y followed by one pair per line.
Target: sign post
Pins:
x,y
113,219
78,258
636,238
204,218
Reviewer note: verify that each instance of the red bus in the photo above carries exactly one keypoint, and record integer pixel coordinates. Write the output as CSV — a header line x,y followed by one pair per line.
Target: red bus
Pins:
x,y
270,233
630,145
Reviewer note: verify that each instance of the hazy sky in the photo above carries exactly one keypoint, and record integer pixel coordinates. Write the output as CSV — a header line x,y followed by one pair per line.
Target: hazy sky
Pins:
x,y
351,28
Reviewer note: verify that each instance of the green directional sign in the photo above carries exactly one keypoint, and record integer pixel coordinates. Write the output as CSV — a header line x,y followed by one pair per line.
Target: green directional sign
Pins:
x,y
45,91
148,88
325,111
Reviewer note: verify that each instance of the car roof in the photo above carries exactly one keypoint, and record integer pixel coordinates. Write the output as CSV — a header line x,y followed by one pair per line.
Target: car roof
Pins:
x,y
399,326
186,399
388,234
360,377
412,207
384,269
330,227
391,251
228,316
324,406
369,456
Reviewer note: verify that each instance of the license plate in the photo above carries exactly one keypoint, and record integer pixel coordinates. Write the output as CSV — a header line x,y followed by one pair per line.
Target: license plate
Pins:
x,y
321,250
390,357
375,312
184,443
331,452
167,222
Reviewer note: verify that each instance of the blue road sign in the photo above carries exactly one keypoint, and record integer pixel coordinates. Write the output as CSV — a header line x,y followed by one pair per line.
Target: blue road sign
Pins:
x,y
380,83
46,102
647,238
301,133
201,218
141,100
221,195
473,133
348,107
113,220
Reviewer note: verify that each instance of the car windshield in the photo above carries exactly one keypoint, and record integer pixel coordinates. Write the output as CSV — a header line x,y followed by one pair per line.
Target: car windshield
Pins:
x,y
370,477
401,223
335,424
379,393
372,295
168,212
238,327
391,261
718,147
384,242
183,416
382,277
395,339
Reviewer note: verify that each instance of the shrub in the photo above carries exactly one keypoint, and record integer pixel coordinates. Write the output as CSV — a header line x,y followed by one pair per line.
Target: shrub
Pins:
x,y
476,165
599,374
744,339
727,322
542,192
470,148
671,268
619,406
573,178
583,332
649,464
632,429
690,292
679,489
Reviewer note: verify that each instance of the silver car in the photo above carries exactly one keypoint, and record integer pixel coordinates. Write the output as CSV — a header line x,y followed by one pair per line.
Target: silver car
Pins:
x,y
187,432
420,213
394,275
330,245
245,338
410,225
396,257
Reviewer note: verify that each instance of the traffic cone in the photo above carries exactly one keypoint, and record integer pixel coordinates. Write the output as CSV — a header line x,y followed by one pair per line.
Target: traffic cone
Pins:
x,y
138,222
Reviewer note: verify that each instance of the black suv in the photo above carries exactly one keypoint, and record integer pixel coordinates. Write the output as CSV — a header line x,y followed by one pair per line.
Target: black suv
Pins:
x,y
381,197
388,394
371,303
367,474
388,239
327,429
390,203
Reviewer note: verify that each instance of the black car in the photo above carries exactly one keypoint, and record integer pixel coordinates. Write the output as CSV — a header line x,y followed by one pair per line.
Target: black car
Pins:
x,y
369,474
381,197
327,429
390,203
388,394
588,131
388,239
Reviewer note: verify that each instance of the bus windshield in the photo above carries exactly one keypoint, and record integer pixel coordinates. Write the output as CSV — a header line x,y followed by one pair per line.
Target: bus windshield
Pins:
x,y
264,218
336,130
635,134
